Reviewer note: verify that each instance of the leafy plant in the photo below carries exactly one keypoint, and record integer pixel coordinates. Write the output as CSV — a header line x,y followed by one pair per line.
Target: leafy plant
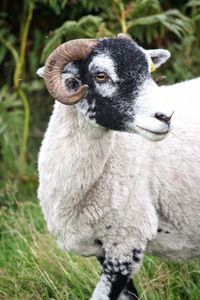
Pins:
x,y
11,127
146,20
87,27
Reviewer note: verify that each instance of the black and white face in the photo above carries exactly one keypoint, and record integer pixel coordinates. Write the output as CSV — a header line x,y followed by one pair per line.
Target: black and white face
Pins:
x,y
121,88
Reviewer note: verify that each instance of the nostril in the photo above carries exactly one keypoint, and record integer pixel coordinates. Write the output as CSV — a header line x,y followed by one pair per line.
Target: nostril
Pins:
x,y
163,118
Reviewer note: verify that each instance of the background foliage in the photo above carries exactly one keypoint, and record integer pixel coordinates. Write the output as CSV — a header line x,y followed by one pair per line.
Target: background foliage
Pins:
x,y
29,31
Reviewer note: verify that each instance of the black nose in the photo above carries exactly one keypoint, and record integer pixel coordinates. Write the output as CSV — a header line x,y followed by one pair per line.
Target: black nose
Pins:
x,y
163,118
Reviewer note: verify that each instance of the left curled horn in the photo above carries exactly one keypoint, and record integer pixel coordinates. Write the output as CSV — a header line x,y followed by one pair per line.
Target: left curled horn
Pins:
x,y
62,55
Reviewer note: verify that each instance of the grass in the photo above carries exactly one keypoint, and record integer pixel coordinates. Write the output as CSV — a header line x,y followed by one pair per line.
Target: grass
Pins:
x,y
32,267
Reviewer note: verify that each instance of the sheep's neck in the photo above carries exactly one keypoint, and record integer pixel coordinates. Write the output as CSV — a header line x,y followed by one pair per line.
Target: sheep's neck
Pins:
x,y
82,150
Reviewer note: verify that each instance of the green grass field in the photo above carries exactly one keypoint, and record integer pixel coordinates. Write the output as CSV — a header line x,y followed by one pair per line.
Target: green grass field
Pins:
x,y
32,267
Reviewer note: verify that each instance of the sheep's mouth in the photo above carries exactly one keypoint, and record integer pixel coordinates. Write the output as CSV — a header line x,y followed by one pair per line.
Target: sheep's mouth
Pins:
x,y
151,135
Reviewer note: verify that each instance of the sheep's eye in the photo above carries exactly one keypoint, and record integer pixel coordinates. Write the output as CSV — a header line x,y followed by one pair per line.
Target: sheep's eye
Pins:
x,y
101,77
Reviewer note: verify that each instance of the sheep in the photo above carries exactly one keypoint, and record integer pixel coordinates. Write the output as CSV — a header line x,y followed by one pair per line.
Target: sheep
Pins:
x,y
104,188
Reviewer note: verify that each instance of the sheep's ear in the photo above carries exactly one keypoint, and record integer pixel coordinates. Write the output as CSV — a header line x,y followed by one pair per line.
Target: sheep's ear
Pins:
x,y
69,76
158,56
70,68
40,72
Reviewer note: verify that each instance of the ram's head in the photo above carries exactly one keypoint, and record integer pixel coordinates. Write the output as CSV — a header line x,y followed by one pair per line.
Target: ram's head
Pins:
x,y
110,82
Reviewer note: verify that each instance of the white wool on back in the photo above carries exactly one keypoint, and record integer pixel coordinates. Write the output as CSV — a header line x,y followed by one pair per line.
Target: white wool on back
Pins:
x,y
116,187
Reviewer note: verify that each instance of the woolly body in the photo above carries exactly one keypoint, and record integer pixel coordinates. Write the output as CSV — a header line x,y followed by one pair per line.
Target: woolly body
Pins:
x,y
119,188
108,192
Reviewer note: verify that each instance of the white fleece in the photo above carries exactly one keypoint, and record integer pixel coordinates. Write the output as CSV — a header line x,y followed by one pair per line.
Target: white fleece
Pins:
x,y
97,184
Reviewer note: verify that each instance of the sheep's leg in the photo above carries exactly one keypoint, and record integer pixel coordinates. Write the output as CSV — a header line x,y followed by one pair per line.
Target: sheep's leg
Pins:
x,y
129,292
116,276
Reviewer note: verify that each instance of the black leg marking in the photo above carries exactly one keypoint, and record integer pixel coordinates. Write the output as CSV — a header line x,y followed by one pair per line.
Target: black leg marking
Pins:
x,y
118,274
118,284
130,291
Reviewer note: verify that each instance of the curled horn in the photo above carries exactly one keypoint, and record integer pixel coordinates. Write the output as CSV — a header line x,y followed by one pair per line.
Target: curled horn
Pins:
x,y
62,55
